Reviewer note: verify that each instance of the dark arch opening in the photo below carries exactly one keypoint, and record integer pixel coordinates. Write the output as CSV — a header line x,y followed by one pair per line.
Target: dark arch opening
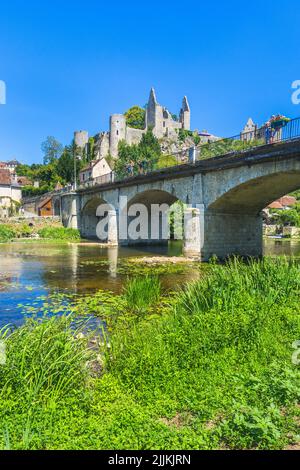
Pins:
x,y
256,194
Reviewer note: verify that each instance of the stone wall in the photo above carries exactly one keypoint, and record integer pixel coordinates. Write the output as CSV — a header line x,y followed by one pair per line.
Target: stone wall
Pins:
x,y
291,232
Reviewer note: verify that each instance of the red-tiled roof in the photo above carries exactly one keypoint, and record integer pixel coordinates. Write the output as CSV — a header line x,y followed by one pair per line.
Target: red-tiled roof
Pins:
x,y
5,177
285,201
24,181
275,205
288,201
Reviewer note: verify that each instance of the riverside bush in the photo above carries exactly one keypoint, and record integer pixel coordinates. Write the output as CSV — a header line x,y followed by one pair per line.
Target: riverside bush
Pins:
x,y
6,233
59,233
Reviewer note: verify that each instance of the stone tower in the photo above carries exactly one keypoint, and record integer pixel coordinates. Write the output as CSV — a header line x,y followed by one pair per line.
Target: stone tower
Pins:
x,y
154,112
117,133
81,139
161,120
185,114
249,131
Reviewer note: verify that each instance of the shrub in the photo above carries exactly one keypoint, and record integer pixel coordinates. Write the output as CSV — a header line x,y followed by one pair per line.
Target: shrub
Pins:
x,y
6,233
59,233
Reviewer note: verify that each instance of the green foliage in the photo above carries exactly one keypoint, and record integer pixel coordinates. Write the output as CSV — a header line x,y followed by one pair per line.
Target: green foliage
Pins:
x,y
141,293
91,149
286,217
60,233
141,158
213,370
135,117
219,353
225,146
58,166
65,165
52,150
6,233
166,161
183,134
30,191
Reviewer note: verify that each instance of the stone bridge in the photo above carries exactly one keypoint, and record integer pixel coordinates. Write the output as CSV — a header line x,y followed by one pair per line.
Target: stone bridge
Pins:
x,y
225,197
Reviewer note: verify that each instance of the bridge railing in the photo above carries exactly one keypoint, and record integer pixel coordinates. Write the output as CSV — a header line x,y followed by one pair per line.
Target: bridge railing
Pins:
x,y
276,131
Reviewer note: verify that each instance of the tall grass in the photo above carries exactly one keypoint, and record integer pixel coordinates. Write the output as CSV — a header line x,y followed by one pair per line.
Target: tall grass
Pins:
x,y
142,292
45,364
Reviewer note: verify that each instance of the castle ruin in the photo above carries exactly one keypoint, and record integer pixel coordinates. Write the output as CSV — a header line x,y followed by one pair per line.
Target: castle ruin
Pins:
x,y
157,118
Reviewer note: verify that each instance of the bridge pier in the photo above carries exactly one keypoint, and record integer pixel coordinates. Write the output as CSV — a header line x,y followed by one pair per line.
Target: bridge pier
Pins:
x,y
193,231
232,234
70,211
113,232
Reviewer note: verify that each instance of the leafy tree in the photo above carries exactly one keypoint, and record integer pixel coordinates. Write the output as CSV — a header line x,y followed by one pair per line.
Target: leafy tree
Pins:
x,y
288,217
52,149
135,117
65,165
138,158
91,149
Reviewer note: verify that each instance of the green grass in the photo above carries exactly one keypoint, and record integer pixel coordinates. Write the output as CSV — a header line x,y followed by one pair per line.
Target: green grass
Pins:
x,y
142,292
213,370
59,233
9,232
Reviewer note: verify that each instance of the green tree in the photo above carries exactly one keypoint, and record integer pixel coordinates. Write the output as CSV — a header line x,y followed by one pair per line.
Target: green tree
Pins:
x,y
52,149
138,157
135,117
288,217
47,175
65,165
91,149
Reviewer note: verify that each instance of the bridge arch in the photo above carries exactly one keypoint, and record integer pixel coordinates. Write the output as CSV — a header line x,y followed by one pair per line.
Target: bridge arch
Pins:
x,y
155,229
252,196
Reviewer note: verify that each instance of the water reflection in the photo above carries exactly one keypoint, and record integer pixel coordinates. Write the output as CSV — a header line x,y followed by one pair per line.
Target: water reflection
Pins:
x,y
281,247
31,270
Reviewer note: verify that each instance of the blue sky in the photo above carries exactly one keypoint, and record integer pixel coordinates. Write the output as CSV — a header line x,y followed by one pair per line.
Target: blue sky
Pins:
x,y
69,65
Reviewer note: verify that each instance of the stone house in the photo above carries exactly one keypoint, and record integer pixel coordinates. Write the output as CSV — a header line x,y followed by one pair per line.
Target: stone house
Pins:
x,y
95,169
10,193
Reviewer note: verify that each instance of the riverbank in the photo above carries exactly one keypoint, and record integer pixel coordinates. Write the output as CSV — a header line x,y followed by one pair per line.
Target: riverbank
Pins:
x,y
42,229
207,368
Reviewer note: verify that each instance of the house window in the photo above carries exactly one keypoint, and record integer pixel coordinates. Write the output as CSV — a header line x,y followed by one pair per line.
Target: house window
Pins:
x,y
164,123
117,132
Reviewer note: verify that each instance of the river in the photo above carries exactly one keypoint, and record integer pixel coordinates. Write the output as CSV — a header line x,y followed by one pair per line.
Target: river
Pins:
x,y
29,271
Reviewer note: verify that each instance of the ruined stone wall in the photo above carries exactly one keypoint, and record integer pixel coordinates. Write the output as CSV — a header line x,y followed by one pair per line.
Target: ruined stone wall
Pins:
x,y
102,145
134,136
